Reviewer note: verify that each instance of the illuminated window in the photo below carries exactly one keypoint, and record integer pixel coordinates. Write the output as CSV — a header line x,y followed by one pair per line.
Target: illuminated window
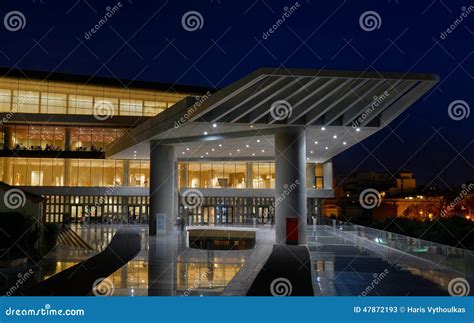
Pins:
x,y
153,108
5,100
53,103
26,101
80,104
131,107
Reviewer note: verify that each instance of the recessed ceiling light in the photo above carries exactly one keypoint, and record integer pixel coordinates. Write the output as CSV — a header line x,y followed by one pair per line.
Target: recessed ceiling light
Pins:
x,y
263,150
315,142
311,152
323,128
202,156
207,153
205,133
326,147
258,140
187,148
214,125
357,129
247,146
238,149
220,145
335,136
183,153
251,126
344,143
253,154
307,158
212,149
230,154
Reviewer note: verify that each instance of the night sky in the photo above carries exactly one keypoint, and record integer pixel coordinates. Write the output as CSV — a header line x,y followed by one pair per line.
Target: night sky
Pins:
x,y
146,40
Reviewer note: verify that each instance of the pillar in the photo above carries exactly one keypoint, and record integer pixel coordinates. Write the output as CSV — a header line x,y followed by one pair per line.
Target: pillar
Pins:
x,y
67,172
68,139
311,175
290,183
7,171
249,176
163,188
328,175
126,173
184,175
8,137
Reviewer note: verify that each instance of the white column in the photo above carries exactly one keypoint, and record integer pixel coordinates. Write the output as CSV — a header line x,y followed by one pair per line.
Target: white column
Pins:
x,y
290,183
328,175
163,188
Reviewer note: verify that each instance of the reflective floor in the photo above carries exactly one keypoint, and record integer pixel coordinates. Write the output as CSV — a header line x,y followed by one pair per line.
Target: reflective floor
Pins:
x,y
343,268
165,266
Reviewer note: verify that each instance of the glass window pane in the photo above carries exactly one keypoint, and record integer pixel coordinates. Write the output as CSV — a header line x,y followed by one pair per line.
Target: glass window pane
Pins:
x,y
53,103
26,101
194,175
131,107
80,104
5,100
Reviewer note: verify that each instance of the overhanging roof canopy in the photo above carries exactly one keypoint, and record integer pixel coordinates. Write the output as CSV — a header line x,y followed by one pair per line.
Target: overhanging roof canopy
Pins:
x,y
337,101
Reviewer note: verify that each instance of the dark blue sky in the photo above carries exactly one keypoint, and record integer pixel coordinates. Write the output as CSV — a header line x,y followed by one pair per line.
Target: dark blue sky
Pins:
x,y
146,40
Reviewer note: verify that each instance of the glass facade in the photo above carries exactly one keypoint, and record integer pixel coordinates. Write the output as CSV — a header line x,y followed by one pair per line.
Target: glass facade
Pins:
x,y
134,173
58,138
74,172
30,96
257,175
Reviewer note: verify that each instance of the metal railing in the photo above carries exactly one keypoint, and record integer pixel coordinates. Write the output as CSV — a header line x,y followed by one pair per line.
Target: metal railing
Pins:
x,y
404,250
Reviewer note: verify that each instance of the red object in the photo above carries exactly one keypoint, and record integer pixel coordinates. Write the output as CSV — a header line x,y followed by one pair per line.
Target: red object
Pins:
x,y
292,231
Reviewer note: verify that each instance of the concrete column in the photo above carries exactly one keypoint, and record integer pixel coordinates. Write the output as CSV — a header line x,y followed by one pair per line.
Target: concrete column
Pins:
x,y
328,175
249,176
184,175
8,137
290,183
163,188
68,139
126,173
311,175
67,172
7,170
